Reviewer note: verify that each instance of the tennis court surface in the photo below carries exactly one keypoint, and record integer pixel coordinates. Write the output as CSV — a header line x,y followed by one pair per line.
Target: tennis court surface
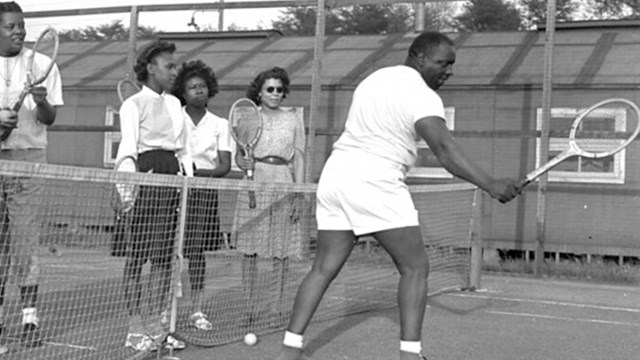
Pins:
x,y
510,318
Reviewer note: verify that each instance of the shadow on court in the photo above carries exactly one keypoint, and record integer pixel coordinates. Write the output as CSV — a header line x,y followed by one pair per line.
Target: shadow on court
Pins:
x,y
509,319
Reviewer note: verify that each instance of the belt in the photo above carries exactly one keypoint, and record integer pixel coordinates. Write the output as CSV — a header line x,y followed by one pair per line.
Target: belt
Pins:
x,y
272,160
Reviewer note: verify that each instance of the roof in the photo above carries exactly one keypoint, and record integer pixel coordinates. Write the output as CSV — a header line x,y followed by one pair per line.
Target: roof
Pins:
x,y
583,57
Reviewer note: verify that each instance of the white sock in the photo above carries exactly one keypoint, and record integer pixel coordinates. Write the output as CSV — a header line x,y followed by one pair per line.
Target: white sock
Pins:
x,y
30,316
414,347
292,340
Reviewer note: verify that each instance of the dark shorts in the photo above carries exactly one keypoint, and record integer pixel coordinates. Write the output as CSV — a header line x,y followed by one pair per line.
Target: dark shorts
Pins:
x,y
202,230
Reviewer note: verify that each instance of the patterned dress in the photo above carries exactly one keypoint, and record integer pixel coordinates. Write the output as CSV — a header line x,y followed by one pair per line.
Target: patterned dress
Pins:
x,y
267,230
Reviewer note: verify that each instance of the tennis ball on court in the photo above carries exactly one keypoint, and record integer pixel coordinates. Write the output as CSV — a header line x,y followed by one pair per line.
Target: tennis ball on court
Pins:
x,y
250,339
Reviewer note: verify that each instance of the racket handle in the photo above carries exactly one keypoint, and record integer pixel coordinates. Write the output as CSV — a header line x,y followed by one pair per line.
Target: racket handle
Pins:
x,y
16,107
252,194
524,182
18,104
252,199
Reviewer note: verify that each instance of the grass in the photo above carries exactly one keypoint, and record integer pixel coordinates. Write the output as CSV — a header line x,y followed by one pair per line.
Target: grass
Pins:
x,y
599,269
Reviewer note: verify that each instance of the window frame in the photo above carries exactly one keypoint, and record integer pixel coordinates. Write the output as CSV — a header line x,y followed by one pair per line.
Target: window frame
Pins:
x,y
111,138
557,144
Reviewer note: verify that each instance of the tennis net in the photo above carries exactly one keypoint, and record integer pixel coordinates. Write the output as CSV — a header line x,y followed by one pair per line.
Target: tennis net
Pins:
x,y
239,266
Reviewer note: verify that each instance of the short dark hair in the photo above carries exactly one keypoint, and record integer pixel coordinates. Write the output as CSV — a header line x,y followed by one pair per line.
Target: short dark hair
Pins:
x,y
427,41
253,92
192,69
148,54
10,7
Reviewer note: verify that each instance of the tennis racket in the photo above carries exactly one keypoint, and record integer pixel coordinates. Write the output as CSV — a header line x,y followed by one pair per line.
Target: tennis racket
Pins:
x,y
47,44
126,88
125,194
598,132
245,126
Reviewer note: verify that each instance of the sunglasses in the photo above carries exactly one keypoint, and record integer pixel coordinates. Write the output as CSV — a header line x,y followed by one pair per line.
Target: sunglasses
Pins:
x,y
278,89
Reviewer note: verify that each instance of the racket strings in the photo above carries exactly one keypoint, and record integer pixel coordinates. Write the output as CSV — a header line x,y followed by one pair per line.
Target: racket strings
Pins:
x,y
606,129
245,123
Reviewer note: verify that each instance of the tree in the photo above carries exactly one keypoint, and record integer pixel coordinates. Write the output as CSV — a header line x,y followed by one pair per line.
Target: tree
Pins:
x,y
488,15
614,9
375,19
302,21
439,16
112,31
358,19
535,11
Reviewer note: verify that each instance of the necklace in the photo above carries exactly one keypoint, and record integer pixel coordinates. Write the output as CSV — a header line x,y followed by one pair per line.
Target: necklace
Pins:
x,y
8,72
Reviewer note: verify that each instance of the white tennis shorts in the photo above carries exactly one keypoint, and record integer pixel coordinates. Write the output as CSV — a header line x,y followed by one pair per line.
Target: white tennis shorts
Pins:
x,y
354,195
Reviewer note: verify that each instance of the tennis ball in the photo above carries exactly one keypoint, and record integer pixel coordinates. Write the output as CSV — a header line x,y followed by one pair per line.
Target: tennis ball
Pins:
x,y
250,339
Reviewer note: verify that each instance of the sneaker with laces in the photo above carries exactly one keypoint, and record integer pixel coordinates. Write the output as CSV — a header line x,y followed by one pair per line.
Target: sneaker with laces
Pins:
x,y
31,335
199,321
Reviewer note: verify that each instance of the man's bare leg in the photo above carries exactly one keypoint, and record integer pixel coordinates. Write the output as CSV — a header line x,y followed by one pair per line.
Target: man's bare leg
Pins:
x,y
334,248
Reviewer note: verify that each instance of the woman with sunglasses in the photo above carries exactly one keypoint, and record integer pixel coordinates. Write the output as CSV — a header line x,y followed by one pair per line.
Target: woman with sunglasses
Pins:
x,y
271,230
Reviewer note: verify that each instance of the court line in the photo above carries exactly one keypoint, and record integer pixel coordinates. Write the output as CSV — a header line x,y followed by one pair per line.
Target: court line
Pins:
x,y
563,318
549,302
53,343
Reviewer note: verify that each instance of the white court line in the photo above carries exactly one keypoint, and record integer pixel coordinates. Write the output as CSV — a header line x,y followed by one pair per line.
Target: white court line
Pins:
x,y
563,318
556,303
52,343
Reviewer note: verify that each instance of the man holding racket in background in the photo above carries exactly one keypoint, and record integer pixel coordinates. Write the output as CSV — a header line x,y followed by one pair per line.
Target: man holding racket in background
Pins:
x,y
155,137
362,189
24,138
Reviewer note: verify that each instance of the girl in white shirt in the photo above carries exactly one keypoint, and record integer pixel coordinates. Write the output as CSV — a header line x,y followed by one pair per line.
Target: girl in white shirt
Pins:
x,y
210,145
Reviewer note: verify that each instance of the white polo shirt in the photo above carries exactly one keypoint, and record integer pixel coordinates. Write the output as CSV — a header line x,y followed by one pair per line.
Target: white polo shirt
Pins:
x,y
206,138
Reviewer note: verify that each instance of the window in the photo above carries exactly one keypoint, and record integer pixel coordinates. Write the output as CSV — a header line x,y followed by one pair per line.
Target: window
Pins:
x,y
111,138
427,165
609,170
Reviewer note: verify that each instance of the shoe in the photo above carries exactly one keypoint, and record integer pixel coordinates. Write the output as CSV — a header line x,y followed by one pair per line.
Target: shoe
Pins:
x,y
200,322
140,342
31,335
173,343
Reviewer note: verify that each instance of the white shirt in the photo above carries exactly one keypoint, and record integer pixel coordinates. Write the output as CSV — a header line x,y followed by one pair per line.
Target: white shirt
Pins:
x,y
30,133
206,138
382,116
152,121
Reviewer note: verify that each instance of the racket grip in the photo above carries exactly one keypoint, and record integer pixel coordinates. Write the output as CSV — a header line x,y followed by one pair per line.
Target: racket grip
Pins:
x,y
252,199
252,194
522,183
18,104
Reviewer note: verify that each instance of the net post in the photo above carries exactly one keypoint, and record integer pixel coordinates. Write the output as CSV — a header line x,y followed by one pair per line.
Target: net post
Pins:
x,y
475,237
177,277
